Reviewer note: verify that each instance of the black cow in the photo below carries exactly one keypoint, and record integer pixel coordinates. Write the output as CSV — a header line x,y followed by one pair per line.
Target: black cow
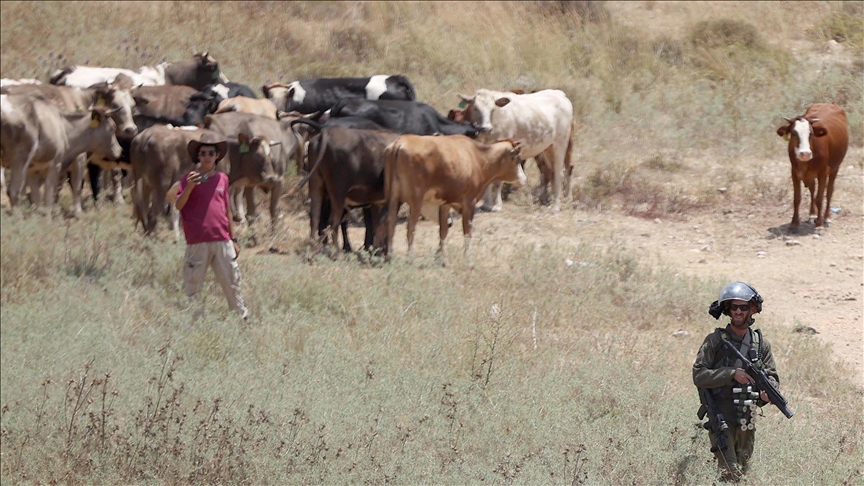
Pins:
x,y
320,94
409,117
347,168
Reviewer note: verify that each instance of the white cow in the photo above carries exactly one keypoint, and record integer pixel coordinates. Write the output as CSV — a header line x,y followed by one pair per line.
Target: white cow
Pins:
x,y
540,122
17,82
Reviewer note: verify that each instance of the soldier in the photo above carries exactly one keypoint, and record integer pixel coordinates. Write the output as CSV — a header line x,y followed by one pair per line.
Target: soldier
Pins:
x,y
731,388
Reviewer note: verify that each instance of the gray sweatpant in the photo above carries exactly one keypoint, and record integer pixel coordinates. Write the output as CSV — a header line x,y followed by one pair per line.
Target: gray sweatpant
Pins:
x,y
221,257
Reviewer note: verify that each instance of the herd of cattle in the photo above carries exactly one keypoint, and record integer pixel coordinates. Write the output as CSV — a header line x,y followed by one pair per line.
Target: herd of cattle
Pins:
x,y
364,143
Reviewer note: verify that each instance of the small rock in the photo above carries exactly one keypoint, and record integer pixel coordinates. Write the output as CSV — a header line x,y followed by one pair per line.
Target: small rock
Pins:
x,y
722,190
703,261
793,243
760,254
816,237
657,220
680,333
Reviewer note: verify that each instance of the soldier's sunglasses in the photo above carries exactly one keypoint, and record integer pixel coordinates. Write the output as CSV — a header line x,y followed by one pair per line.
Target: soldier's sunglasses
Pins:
x,y
742,307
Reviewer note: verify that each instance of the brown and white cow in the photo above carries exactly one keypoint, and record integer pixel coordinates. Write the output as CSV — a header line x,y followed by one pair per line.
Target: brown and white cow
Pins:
x,y
447,171
241,104
39,142
197,72
818,141
541,122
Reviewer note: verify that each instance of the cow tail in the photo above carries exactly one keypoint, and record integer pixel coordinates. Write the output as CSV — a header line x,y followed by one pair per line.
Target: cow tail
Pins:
x,y
337,108
322,146
409,88
315,125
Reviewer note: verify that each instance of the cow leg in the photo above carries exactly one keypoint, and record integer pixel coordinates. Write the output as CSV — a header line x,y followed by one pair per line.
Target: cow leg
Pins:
x,y
556,155
51,183
117,184
796,200
370,216
413,217
17,179
443,214
337,213
829,193
343,226
316,202
252,211
138,210
820,196
76,174
175,222
467,223
813,211
238,197
275,213
34,182
492,200
94,172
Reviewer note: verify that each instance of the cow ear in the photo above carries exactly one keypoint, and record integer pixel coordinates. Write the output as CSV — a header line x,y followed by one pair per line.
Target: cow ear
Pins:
x,y
466,99
500,102
266,90
783,131
819,131
96,117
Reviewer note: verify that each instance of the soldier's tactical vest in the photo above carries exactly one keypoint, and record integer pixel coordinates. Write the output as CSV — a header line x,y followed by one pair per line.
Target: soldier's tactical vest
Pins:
x,y
751,347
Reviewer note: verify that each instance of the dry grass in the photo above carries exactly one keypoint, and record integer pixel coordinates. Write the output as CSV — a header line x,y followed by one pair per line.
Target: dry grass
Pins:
x,y
360,373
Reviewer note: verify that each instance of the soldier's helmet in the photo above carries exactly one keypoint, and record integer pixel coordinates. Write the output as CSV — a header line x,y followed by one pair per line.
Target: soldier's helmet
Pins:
x,y
735,291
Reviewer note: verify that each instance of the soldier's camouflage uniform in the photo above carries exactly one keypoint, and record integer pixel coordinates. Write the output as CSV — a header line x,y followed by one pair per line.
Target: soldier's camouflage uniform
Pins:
x,y
713,369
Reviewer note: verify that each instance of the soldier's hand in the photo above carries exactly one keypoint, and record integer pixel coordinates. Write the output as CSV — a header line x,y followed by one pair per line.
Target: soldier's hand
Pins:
x,y
764,397
742,377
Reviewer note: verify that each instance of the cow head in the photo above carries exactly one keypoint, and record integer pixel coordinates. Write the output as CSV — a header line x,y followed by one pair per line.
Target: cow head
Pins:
x,y
103,142
798,131
479,109
198,106
257,159
118,101
282,95
208,65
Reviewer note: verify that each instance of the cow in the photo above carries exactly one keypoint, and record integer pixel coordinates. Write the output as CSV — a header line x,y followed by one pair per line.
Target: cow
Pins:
x,y
284,144
451,171
38,139
159,158
348,170
320,94
197,72
818,141
542,122
17,82
118,101
223,91
461,116
242,104
407,117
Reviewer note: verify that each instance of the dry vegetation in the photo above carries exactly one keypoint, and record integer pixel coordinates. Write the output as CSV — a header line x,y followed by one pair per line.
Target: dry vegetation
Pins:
x,y
520,370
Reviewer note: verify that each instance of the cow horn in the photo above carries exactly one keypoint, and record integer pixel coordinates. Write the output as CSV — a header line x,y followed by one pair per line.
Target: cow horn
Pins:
x,y
788,120
814,120
466,99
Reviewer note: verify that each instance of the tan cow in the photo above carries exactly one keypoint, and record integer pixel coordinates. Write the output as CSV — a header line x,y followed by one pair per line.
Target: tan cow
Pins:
x,y
447,171
38,139
242,104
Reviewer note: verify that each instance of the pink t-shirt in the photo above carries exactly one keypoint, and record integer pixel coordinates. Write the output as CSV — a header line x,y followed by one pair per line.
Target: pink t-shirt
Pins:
x,y
205,214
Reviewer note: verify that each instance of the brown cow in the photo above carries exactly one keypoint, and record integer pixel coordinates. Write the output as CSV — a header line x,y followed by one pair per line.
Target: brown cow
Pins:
x,y
817,144
446,171
39,141
242,104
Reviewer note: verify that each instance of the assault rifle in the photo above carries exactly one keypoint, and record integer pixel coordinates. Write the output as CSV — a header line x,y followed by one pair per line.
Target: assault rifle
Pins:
x,y
762,381
716,423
